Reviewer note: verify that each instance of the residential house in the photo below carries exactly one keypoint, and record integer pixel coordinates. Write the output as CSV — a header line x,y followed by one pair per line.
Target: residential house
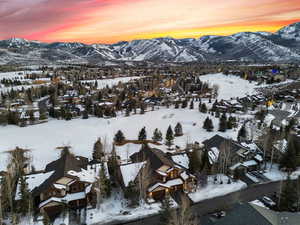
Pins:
x,y
66,181
162,172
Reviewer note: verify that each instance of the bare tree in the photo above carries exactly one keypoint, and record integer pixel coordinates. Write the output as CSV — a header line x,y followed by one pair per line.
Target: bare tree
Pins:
x,y
144,180
183,215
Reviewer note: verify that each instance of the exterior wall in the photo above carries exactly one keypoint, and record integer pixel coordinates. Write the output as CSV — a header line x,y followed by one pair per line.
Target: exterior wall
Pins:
x,y
76,187
64,180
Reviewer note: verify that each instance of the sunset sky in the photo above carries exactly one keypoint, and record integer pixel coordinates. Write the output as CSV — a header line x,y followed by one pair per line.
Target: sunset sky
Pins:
x,y
109,21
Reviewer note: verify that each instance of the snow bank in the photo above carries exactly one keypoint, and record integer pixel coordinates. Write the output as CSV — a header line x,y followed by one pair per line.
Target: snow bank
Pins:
x,y
214,190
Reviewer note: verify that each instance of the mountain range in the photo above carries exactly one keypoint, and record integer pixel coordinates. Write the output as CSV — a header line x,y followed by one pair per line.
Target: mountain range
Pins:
x,y
281,46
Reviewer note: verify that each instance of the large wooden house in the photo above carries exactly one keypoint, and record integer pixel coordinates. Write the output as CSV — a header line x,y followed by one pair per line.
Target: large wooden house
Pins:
x,y
67,181
160,173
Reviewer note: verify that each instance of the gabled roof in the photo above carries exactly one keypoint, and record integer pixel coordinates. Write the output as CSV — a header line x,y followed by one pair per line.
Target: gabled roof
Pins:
x,y
60,167
156,157
217,141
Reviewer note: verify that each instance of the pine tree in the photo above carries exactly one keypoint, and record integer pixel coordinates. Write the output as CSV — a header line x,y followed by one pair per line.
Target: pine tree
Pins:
x,y
169,136
113,166
98,151
178,130
142,134
131,192
242,134
46,219
25,197
194,162
192,105
288,196
119,137
210,127
203,108
165,211
103,186
85,115
223,123
157,135
206,123
289,158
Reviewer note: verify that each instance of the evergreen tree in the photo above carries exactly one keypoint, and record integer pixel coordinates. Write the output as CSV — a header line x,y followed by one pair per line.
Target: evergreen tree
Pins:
x,y
223,123
142,134
178,130
131,192
157,135
203,108
169,136
288,196
98,151
242,134
184,104
194,162
165,211
210,127
25,204
176,105
85,115
289,158
103,186
46,219
217,114
192,105
142,108
119,137
208,124
113,166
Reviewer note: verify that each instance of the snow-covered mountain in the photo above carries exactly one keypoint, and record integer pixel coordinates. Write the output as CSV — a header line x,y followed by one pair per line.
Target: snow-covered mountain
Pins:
x,y
283,45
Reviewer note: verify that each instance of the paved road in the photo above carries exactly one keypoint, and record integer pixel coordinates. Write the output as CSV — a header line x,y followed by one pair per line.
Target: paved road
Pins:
x,y
216,204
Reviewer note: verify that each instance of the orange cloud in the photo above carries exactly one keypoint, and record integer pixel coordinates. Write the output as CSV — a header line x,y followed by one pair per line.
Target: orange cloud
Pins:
x,y
109,21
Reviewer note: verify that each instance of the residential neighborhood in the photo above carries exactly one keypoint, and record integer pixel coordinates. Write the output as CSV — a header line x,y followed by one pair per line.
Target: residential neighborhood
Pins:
x,y
102,146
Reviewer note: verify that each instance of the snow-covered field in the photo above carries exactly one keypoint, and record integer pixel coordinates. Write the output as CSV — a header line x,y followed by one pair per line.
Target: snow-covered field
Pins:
x,y
81,134
275,174
214,190
111,82
18,74
230,86
115,208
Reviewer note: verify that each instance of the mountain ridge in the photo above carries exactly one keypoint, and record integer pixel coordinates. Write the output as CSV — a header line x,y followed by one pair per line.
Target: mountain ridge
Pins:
x,y
281,46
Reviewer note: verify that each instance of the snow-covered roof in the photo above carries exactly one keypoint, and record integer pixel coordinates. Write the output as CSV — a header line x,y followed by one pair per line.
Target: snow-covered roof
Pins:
x,y
126,150
130,171
258,158
33,181
168,184
245,164
90,174
67,198
182,160
213,155
249,163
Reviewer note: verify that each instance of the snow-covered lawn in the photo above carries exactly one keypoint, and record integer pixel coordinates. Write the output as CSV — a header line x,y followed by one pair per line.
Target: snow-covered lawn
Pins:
x,y
214,190
230,86
275,174
111,82
81,134
115,208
